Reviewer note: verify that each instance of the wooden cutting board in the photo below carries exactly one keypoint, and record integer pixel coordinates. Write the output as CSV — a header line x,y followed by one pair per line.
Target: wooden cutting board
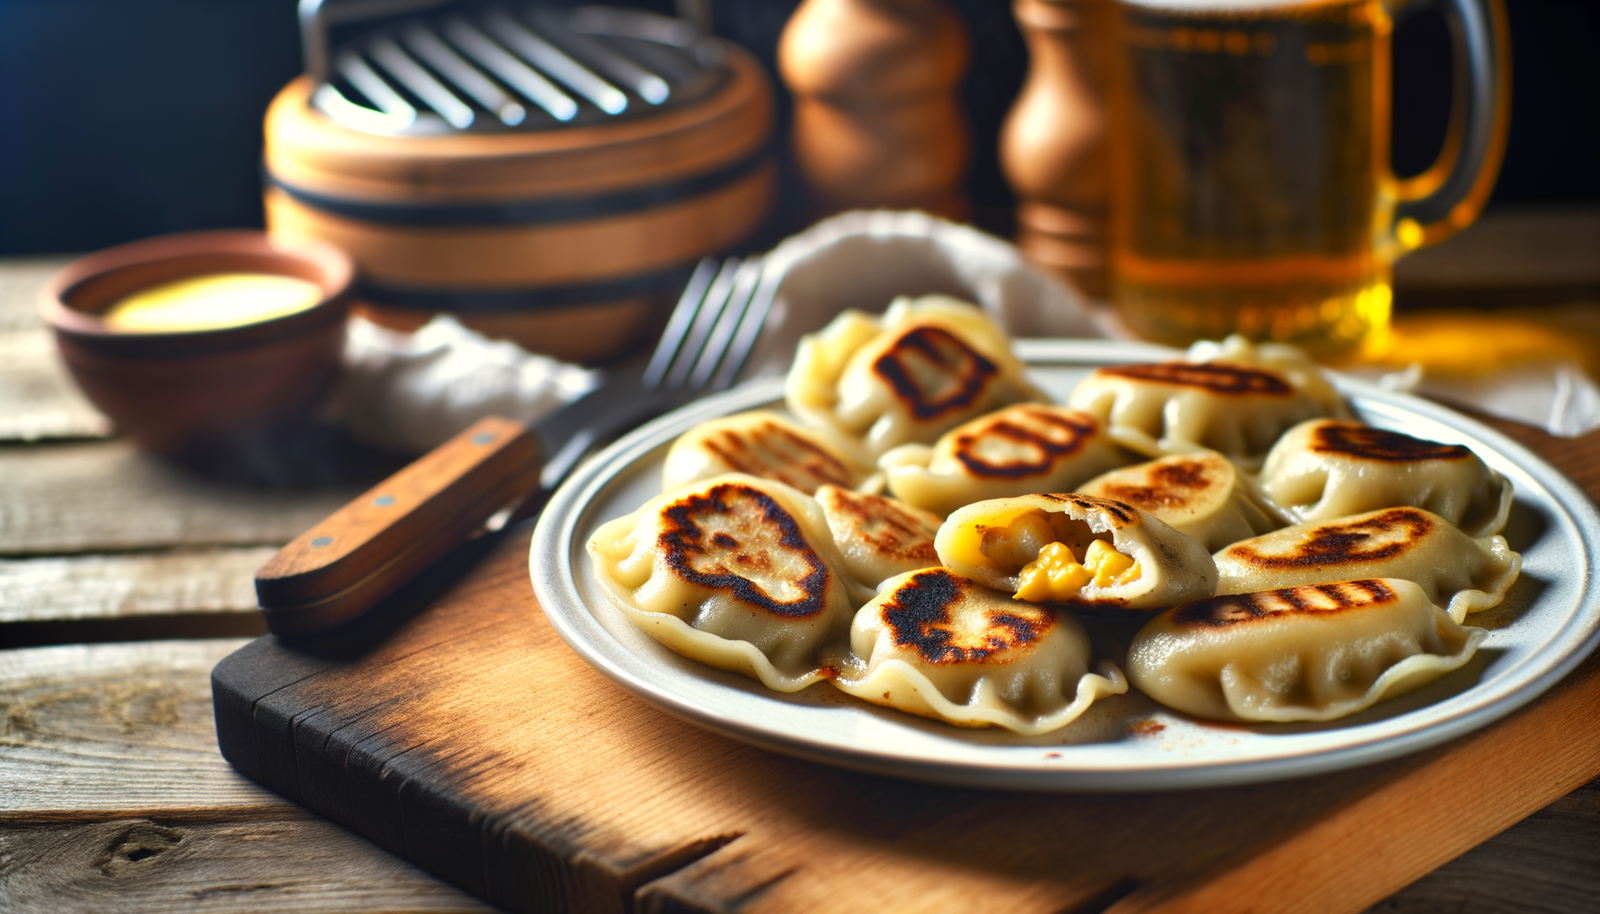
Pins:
x,y
459,731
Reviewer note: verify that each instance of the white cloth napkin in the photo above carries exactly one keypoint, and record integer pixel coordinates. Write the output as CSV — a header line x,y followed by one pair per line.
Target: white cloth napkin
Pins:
x,y
1557,396
864,259
411,392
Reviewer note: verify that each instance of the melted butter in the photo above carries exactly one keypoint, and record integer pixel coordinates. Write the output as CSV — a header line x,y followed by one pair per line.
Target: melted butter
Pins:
x,y
212,302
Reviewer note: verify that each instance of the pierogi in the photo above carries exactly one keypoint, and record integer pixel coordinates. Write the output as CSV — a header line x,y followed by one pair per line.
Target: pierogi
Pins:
x,y
936,644
759,444
1309,653
1010,515
1236,401
924,367
1200,495
1097,555
879,537
1460,573
736,572
1018,450
1324,469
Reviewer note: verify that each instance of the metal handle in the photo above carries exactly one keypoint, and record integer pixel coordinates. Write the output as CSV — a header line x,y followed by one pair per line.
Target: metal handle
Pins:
x,y
318,16
1447,197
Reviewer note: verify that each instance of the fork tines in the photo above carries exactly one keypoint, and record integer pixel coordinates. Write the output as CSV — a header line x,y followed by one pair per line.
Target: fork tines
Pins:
x,y
715,323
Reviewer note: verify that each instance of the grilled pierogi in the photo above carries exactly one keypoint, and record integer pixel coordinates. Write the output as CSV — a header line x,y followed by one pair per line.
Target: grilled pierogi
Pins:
x,y
1101,556
879,537
1462,574
924,367
759,444
1201,495
1018,450
1237,403
1326,469
936,644
1314,652
736,572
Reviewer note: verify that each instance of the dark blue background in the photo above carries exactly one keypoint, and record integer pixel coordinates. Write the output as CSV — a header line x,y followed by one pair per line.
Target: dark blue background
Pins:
x,y
121,119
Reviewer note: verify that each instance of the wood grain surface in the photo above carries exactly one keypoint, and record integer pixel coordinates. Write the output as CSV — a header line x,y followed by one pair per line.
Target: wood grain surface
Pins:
x,y
433,739
37,399
41,401
105,496
21,278
116,799
177,830
284,860
177,583
437,743
1548,863
540,255
244,849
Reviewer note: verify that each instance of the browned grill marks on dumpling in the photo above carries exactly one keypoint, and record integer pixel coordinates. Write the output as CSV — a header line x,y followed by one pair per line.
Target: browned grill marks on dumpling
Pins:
x,y
1060,436
1217,377
814,464
682,540
967,371
1172,485
1121,513
1345,542
1352,439
888,528
1308,599
918,616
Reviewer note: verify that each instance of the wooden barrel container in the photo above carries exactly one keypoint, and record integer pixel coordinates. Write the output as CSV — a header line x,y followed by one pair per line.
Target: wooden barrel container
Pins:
x,y
567,241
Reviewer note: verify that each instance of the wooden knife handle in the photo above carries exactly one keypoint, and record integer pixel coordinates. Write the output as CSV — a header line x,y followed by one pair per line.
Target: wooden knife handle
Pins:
x,y
370,547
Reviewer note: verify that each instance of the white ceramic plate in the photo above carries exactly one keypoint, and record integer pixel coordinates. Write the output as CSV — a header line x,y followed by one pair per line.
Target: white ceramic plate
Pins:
x,y
1547,625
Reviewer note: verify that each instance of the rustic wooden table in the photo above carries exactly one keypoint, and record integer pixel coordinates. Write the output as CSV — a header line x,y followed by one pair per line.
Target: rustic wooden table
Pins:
x,y
123,581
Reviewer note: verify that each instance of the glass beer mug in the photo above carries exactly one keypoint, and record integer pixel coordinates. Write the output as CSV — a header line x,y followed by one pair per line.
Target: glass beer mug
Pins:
x,y
1251,189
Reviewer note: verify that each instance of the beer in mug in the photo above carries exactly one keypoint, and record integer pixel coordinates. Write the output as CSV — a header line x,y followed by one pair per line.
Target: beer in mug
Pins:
x,y
1250,156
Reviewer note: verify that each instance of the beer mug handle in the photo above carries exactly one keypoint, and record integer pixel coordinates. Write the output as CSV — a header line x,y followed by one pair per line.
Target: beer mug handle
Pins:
x,y
1446,198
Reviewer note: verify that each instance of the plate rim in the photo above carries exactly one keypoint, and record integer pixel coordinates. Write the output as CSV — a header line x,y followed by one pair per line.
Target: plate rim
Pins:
x,y
554,584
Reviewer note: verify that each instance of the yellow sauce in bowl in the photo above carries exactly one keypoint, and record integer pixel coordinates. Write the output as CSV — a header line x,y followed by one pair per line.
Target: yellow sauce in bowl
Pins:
x,y
212,302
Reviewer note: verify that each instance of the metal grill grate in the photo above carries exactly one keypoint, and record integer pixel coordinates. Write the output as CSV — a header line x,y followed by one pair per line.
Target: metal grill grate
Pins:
x,y
497,69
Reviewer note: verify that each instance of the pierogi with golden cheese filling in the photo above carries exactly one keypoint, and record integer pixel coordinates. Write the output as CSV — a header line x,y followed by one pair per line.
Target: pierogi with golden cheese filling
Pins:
x,y
1018,450
1237,403
1309,653
879,537
936,644
1462,574
1326,469
759,444
924,367
1200,495
736,572
1099,556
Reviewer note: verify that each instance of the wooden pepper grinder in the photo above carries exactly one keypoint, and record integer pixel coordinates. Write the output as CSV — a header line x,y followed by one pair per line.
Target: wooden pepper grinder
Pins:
x,y
1053,144
876,118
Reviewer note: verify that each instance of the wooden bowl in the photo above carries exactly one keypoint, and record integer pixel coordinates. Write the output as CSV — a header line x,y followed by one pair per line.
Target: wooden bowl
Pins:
x,y
183,393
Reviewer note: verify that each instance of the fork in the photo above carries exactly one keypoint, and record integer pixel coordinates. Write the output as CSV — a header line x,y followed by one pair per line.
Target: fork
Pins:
x,y
705,344
490,474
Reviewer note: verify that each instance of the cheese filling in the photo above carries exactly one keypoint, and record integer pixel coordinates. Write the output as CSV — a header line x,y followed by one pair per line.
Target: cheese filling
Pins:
x,y
1057,574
